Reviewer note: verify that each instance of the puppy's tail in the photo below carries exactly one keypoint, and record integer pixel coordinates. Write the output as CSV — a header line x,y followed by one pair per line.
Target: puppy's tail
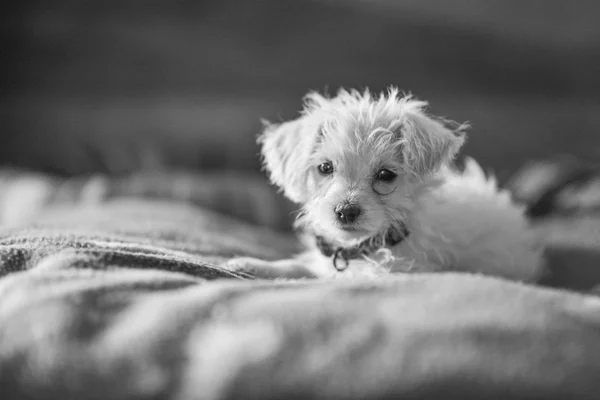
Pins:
x,y
473,180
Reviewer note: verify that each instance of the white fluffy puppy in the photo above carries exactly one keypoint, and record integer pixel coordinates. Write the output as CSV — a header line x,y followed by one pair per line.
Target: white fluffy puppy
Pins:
x,y
379,194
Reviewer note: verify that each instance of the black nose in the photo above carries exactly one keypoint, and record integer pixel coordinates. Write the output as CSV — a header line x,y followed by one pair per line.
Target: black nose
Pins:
x,y
347,213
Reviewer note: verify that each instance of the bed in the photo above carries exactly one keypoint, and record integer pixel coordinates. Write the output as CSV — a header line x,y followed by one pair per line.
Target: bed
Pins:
x,y
116,288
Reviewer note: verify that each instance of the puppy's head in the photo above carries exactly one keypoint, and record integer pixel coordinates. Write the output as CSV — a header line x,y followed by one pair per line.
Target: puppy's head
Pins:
x,y
355,161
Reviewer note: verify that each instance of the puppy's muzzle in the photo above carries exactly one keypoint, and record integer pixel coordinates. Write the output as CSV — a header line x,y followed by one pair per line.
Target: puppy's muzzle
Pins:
x,y
347,213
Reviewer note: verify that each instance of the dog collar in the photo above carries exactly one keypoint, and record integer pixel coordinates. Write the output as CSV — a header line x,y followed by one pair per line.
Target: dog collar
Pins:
x,y
391,237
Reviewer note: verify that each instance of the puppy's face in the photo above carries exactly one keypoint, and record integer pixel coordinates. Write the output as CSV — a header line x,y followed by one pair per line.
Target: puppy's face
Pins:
x,y
359,181
356,162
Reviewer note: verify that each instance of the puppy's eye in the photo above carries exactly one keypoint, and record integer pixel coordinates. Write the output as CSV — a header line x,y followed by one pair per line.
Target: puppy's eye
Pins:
x,y
385,175
325,168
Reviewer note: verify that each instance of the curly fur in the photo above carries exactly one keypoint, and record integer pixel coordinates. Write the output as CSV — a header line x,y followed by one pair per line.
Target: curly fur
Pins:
x,y
459,221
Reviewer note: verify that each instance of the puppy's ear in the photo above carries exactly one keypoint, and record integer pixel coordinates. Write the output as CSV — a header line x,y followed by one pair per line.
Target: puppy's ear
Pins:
x,y
286,149
429,143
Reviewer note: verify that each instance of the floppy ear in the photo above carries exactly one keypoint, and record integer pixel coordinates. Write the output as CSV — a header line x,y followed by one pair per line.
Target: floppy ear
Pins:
x,y
429,143
286,149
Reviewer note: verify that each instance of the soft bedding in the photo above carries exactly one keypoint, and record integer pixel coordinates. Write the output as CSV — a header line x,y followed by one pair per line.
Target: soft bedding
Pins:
x,y
115,289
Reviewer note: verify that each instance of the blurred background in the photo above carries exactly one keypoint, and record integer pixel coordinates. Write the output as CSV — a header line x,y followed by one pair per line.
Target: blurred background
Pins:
x,y
112,85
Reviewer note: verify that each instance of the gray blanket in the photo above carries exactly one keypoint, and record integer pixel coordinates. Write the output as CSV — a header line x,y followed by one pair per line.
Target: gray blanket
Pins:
x,y
105,294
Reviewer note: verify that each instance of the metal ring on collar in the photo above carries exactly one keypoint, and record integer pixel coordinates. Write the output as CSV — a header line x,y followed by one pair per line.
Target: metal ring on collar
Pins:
x,y
336,256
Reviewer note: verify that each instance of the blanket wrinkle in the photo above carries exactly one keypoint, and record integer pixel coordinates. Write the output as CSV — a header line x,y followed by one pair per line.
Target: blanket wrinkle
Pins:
x,y
125,298
27,194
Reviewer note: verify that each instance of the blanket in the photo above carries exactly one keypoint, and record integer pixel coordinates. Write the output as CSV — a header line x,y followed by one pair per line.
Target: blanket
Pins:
x,y
106,294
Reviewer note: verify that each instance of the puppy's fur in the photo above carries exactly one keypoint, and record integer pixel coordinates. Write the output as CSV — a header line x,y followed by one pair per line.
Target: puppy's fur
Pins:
x,y
458,221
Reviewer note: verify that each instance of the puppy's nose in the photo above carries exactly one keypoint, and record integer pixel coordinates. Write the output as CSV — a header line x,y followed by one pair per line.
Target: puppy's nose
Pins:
x,y
347,213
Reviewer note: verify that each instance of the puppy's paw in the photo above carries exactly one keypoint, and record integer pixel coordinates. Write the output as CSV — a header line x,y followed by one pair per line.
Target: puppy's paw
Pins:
x,y
261,269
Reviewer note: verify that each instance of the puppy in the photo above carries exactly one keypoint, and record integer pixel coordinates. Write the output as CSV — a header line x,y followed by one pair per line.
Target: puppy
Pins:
x,y
379,194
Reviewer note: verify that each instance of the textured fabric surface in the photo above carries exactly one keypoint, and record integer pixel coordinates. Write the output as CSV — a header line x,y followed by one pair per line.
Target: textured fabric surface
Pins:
x,y
24,194
126,299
